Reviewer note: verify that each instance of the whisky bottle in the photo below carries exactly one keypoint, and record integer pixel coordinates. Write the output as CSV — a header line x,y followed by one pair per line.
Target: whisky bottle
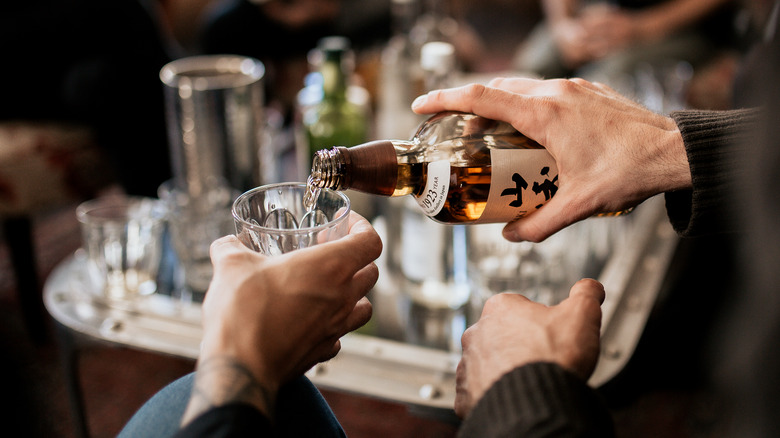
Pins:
x,y
461,168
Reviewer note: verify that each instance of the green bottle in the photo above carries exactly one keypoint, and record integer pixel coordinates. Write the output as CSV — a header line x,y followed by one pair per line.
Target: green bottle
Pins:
x,y
335,119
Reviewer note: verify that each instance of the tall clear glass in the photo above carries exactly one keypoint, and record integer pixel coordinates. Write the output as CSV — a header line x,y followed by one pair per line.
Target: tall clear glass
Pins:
x,y
214,106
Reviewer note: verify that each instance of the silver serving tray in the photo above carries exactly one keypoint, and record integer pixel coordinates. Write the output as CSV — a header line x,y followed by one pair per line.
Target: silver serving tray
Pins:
x,y
390,369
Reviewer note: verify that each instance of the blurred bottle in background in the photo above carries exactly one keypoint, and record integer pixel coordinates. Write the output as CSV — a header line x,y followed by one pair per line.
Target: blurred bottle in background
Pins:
x,y
334,119
401,77
435,23
332,109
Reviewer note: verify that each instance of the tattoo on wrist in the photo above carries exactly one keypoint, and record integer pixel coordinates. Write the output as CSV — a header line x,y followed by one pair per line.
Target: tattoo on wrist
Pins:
x,y
222,380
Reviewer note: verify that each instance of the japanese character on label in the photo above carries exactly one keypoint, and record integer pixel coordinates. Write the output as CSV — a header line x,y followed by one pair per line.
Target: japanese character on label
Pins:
x,y
548,187
517,191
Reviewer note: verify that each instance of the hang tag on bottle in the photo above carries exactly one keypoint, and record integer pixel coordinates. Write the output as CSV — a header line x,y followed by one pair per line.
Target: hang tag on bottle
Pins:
x,y
437,185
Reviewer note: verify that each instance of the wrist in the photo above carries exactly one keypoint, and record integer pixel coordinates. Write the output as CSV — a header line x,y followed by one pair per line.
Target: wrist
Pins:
x,y
658,162
672,167
224,338
222,380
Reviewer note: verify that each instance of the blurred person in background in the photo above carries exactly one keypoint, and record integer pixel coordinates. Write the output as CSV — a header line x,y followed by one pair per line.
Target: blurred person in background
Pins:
x,y
607,41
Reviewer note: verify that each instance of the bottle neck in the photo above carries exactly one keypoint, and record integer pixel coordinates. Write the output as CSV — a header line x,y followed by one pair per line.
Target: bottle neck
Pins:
x,y
334,80
370,167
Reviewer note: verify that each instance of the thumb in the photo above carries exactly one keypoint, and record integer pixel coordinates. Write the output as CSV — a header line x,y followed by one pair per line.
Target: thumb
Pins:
x,y
226,245
588,289
555,215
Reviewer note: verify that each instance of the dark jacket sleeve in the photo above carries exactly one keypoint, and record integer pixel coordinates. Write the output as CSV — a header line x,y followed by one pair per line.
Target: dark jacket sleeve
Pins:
x,y
715,142
231,420
538,400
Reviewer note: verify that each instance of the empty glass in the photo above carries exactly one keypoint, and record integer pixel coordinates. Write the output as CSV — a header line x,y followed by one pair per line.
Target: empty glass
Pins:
x,y
214,107
122,237
193,227
273,220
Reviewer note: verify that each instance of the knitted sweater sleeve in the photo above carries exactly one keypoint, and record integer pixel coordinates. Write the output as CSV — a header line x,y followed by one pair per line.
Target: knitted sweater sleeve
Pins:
x,y
715,143
538,400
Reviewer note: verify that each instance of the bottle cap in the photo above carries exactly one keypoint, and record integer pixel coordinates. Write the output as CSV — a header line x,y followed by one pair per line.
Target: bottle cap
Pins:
x,y
437,56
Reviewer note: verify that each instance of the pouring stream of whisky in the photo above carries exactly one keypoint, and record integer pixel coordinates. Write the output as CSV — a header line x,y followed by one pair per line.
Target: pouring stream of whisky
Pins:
x,y
311,195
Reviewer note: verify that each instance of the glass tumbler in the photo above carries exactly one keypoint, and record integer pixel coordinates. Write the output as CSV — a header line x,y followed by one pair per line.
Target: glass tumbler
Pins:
x,y
193,227
273,219
122,237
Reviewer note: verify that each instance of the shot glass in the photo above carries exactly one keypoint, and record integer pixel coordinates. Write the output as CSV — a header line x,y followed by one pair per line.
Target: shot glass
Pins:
x,y
273,219
122,237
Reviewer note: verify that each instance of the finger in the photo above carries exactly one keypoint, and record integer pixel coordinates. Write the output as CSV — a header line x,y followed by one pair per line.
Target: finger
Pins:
x,y
341,259
582,309
588,289
536,87
363,281
554,216
605,90
541,87
225,245
357,221
360,246
584,301
228,247
322,352
361,230
593,86
486,101
359,316
518,85
331,351
529,109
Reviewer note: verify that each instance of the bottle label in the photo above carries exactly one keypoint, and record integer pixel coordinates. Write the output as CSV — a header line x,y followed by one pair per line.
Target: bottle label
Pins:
x,y
437,185
522,180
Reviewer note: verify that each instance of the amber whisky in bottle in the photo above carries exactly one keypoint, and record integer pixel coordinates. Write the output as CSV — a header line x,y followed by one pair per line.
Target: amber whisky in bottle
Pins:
x,y
461,168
